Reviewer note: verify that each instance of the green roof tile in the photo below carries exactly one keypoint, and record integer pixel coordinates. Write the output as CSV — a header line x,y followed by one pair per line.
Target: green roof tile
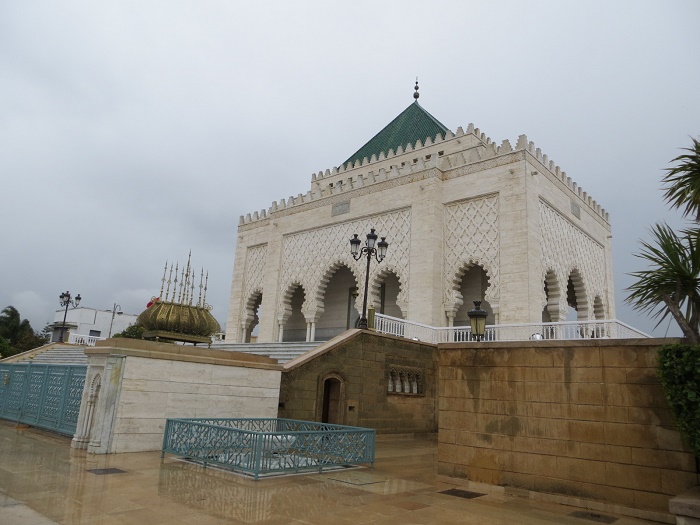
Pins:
x,y
413,124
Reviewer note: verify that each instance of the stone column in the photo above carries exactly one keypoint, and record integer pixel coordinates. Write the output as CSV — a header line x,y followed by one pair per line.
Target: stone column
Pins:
x,y
280,331
425,266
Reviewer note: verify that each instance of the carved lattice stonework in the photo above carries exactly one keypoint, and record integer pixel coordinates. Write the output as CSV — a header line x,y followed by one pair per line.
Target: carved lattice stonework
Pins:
x,y
471,237
331,249
255,260
566,248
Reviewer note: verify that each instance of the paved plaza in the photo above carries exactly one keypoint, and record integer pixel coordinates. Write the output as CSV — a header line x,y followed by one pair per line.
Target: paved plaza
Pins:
x,y
43,481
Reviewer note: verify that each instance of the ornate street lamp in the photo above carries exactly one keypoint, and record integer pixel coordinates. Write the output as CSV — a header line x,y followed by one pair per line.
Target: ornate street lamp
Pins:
x,y
66,300
116,310
477,320
371,248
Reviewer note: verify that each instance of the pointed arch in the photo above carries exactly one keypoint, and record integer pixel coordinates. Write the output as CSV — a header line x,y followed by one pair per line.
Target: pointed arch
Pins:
x,y
471,283
326,277
553,309
386,293
576,296
251,314
336,300
291,315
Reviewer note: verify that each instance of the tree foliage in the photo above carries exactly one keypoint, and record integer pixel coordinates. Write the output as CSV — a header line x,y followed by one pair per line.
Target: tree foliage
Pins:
x,y
671,283
16,334
683,182
679,372
133,331
671,286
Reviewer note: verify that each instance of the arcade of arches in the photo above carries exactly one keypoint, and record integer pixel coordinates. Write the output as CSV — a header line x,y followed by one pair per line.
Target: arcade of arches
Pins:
x,y
339,310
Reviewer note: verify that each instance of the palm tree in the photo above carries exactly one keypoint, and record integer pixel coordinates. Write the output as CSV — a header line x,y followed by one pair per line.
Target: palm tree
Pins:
x,y
671,284
12,327
683,182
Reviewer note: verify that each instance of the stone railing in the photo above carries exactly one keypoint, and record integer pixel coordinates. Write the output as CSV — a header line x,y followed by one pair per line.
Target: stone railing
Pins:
x,y
611,329
84,340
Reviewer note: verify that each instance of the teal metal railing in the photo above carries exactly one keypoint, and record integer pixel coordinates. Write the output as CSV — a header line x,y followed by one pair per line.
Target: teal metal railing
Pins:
x,y
42,395
262,447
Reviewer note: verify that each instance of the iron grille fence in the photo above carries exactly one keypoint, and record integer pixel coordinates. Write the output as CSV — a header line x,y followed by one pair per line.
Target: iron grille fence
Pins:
x,y
42,395
612,329
267,446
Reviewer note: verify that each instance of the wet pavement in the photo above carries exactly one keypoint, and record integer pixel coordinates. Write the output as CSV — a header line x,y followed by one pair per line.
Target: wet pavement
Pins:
x,y
43,481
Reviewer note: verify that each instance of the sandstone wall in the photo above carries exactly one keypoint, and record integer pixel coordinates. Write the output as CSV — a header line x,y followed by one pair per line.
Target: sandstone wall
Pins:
x,y
362,361
586,419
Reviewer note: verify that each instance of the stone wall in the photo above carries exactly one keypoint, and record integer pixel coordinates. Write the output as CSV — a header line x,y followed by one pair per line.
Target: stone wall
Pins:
x,y
133,386
586,419
362,362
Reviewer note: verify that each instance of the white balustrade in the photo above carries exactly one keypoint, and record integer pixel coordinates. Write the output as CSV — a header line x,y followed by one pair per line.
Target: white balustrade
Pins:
x,y
611,329
84,340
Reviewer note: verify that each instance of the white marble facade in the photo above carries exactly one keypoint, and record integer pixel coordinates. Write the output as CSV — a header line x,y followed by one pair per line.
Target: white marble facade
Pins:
x,y
453,209
133,387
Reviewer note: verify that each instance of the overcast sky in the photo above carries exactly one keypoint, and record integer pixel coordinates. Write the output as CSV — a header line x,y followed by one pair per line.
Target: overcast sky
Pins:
x,y
132,132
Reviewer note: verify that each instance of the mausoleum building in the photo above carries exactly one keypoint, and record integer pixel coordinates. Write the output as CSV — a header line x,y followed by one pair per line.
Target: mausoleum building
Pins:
x,y
466,219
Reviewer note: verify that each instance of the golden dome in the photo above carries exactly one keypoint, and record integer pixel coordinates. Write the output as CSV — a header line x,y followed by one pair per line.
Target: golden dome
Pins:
x,y
164,316
177,318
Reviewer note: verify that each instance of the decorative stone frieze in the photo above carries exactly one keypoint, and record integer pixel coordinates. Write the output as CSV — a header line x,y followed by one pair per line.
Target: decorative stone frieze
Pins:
x,y
570,252
296,270
471,237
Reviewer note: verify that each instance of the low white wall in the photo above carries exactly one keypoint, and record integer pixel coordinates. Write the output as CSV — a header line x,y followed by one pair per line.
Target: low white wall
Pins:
x,y
134,391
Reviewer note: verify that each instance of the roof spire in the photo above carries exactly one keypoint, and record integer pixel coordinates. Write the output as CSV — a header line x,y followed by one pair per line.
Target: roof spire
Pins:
x,y
416,94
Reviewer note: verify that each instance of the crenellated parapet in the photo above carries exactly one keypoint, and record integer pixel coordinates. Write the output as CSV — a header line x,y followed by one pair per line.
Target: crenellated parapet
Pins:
x,y
561,176
443,153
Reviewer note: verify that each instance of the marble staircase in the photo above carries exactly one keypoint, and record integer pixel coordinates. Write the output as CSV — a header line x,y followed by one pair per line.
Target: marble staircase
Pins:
x,y
283,352
54,354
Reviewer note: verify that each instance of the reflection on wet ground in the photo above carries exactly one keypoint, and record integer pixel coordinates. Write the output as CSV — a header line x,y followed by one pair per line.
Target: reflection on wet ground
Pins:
x,y
43,481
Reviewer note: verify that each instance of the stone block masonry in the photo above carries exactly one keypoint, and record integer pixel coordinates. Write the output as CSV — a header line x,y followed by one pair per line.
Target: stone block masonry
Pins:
x,y
363,364
133,386
585,419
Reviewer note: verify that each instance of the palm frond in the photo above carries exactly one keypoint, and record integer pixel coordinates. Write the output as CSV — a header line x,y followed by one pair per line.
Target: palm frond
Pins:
x,y
683,182
673,274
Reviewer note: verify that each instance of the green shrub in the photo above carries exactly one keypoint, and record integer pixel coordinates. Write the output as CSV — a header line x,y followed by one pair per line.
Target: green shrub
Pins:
x,y
133,331
679,372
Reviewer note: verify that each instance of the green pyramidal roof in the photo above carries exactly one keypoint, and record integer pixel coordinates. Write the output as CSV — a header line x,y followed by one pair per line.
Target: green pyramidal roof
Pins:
x,y
413,124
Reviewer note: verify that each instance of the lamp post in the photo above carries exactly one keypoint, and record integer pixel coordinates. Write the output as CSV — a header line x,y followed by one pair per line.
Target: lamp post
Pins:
x,y
477,320
66,300
116,310
371,248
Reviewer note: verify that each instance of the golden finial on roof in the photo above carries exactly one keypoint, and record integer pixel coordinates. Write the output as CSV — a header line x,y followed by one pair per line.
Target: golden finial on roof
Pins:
x,y
179,319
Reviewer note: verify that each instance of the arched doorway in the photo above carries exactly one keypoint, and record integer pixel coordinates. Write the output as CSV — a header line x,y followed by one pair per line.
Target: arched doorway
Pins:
x,y
473,285
330,412
339,312
295,325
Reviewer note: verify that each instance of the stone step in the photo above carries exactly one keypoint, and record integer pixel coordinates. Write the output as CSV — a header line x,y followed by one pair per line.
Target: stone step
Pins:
x,y
283,352
59,355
